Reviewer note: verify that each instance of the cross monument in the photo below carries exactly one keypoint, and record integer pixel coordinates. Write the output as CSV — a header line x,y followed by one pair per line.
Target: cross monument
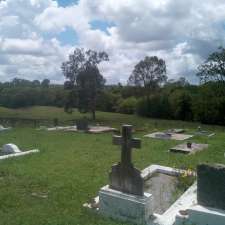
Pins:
x,y
124,176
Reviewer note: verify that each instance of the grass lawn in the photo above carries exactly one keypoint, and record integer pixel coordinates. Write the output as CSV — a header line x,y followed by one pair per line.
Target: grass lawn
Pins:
x,y
49,188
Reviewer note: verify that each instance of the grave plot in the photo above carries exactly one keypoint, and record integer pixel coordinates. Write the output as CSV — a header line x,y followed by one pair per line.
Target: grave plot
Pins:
x,y
175,131
210,206
2,128
11,150
91,129
166,187
60,128
169,136
188,148
100,129
139,197
83,126
204,132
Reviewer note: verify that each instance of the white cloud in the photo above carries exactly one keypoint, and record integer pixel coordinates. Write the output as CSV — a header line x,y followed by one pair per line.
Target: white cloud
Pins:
x,y
180,31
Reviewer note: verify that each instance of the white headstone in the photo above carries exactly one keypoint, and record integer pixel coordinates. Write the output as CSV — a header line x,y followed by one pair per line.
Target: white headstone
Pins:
x,y
10,149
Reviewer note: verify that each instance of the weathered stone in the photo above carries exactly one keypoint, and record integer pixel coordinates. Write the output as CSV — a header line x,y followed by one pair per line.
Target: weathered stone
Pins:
x,y
211,185
55,122
124,177
10,149
125,207
82,125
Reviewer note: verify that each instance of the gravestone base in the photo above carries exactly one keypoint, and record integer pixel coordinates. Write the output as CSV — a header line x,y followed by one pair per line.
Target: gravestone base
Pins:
x,y
125,207
201,215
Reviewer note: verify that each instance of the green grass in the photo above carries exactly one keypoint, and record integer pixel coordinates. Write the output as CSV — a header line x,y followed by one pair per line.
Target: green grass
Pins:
x,y
71,167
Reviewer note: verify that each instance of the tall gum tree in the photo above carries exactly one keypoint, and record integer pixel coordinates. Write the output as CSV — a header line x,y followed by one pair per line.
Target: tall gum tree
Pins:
x,y
149,73
83,79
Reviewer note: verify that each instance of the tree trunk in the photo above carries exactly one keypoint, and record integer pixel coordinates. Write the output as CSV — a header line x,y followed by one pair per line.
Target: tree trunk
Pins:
x,y
93,115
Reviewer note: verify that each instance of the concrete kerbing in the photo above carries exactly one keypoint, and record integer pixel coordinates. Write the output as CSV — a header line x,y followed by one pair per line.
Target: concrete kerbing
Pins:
x,y
19,154
170,217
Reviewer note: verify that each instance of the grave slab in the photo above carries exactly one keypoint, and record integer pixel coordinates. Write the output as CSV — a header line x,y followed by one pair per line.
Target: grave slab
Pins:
x,y
125,207
93,129
11,150
169,136
204,132
2,128
100,129
185,149
60,128
175,131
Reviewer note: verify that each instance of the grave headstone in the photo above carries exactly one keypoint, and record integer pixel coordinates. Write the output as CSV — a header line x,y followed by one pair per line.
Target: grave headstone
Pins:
x,y
124,198
55,122
211,185
82,125
10,149
124,176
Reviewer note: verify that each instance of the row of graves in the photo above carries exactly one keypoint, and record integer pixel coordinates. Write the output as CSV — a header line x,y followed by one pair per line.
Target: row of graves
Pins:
x,y
81,125
152,196
148,196
180,135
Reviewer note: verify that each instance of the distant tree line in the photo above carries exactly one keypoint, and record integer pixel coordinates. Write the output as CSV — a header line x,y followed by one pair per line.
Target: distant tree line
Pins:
x,y
148,91
24,93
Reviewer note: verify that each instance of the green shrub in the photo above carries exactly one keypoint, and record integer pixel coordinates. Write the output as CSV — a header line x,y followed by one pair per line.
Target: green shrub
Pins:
x,y
127,105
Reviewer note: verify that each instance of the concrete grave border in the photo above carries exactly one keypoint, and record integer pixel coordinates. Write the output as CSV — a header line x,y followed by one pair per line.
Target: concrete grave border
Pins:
x,y
187,200
19,154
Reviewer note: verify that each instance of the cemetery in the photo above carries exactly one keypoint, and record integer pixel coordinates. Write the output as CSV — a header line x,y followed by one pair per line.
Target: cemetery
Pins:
x,y
84,174
112,112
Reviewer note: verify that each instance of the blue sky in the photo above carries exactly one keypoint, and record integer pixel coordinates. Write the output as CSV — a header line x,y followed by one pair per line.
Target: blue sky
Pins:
x,y
65,3
36,36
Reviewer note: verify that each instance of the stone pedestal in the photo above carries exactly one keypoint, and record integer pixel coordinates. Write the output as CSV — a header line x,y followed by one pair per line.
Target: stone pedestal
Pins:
x,y
125,207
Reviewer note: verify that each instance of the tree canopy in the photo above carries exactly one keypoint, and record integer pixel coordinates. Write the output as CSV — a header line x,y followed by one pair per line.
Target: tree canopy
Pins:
x,y
149,73
213,69
83,78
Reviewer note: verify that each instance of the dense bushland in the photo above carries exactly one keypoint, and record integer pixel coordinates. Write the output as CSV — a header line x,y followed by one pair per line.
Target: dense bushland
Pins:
x,y
174,100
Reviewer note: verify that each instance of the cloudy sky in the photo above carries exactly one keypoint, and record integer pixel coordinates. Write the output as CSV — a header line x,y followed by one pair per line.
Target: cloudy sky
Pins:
x,y
36,36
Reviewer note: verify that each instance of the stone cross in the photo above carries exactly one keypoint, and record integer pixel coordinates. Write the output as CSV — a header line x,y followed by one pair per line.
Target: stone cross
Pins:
x,y
124,177
127,143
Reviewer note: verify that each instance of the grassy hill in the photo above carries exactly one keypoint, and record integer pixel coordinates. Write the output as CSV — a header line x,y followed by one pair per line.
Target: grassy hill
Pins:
x,y
49,188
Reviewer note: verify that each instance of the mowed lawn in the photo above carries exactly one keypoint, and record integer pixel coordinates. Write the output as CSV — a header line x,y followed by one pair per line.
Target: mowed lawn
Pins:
x,y
50,187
